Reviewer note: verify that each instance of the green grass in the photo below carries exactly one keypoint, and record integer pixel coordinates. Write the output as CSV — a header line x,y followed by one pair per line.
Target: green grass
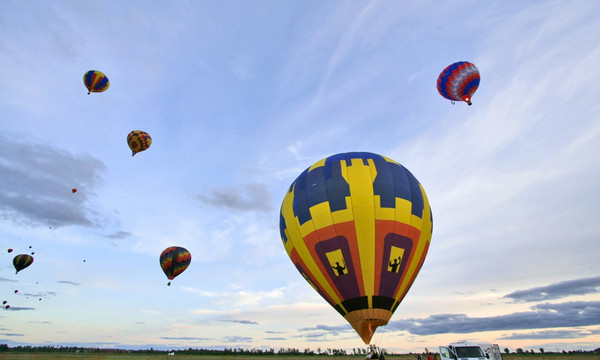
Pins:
x,y
96,356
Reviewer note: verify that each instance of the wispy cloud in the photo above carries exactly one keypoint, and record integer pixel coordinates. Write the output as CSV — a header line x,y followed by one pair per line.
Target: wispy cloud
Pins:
x,y
184,338
558,290
319,330
119,235
576,313
235,339
255,197
551,334
69,282
36,183
246,322
20,308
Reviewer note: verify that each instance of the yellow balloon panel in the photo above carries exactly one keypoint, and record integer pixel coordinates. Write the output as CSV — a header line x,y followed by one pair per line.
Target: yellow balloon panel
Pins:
x,y
357,226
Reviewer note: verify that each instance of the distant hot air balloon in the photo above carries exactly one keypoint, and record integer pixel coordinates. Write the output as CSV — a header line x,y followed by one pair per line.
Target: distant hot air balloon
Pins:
x,y
95,81
22,261
138,141
357,226
73,190
16,291
174,260
4,302
9,250
7,307
459,81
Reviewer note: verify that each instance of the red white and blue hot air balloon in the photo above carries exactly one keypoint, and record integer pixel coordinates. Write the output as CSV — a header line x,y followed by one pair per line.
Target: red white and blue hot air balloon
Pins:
x,y
459,81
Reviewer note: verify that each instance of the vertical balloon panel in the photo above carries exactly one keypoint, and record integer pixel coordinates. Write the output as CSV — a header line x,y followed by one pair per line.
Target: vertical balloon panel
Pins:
x,y
357,226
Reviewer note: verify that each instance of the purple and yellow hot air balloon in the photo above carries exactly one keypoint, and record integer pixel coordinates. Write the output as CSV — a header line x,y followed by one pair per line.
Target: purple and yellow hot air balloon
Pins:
x,y
95,81
357,226
138,140
22,261
174,260
459,81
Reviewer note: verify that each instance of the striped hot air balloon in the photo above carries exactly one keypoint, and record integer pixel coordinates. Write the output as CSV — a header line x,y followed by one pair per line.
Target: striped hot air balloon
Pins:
x,y
22,261
174,260
459,81
357,226
95,81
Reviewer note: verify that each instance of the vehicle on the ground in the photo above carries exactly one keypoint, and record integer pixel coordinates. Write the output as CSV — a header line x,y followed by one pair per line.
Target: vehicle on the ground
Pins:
x,y
463,350
492,351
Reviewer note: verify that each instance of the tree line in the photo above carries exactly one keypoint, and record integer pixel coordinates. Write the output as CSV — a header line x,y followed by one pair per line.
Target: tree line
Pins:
x,y
189,351
237,351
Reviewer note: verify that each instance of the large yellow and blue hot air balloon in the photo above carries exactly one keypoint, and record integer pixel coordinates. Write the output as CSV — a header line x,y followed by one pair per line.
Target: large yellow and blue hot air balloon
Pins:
x,y
95,81
357,226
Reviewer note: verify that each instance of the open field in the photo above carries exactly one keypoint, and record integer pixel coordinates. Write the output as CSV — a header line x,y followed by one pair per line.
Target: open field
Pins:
x,y
66,356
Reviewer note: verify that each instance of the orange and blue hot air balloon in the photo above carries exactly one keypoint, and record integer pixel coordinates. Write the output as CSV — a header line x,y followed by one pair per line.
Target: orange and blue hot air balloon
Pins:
x,y
357,226
95,81
22,261
174,260
459,81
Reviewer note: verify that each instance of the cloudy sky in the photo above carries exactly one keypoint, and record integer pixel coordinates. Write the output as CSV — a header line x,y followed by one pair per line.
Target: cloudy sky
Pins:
x,y
239,98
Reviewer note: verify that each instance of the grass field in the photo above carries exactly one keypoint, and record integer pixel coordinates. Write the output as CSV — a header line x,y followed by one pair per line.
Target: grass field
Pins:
x,y
67,356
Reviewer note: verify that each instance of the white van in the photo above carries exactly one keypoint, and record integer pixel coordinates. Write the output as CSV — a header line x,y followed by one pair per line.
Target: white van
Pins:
x,y
463,350
492,351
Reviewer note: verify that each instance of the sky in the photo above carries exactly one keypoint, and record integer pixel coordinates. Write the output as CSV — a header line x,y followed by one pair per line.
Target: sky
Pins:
x,y
239,98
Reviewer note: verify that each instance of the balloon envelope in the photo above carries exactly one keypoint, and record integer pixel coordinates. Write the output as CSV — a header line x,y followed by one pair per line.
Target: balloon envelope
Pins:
x,y
138,141
73,190
357,226
174,260
459,81
22,261
95,81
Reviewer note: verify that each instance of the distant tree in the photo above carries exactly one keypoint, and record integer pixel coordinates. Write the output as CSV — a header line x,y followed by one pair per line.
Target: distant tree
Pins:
x,y
519,351
506,350
541,350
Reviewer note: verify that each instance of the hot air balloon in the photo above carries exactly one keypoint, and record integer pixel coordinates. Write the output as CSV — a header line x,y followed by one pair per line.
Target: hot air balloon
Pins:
x,y
95,81
22,261
357,226
174,260
138,141
73,190
9,250
459,81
